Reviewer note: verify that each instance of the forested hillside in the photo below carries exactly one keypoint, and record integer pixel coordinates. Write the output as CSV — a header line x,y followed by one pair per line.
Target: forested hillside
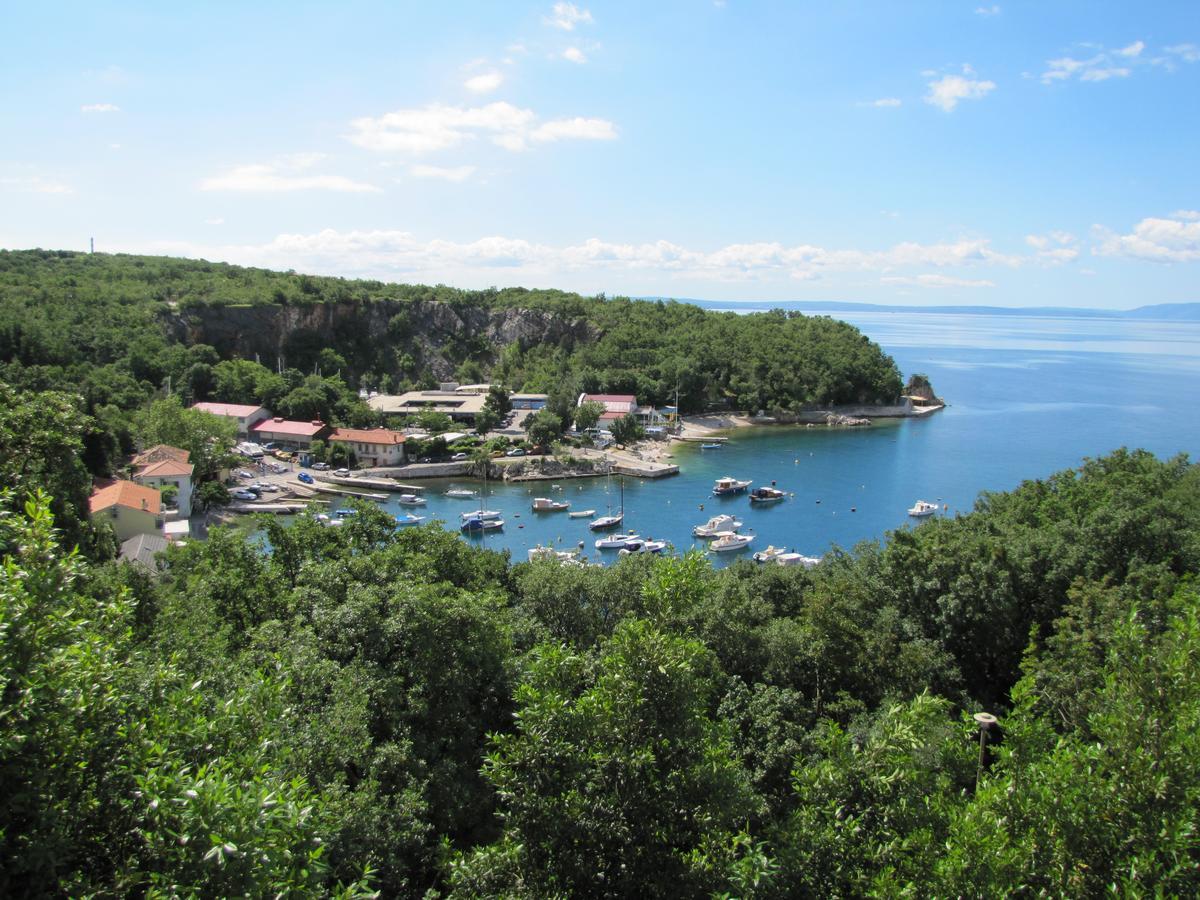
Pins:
x,y
120,326
364,709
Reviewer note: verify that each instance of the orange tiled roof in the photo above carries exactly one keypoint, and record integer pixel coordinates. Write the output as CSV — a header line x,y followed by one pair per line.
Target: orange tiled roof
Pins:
x,y
127,494
368,435
165,468
159,453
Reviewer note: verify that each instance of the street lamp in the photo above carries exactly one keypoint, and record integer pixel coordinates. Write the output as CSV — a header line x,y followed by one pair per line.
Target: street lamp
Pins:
x,y
986,721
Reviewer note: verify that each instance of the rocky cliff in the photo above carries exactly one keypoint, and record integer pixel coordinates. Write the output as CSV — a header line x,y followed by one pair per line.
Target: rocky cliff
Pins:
x,y
435,332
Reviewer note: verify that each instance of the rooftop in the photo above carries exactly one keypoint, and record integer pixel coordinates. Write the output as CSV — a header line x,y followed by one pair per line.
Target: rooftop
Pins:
x,y
234,410
159,453
141,550
165,468
126,494
286,426
368,435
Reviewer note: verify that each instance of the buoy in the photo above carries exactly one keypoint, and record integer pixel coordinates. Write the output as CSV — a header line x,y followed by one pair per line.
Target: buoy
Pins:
x,y
852,509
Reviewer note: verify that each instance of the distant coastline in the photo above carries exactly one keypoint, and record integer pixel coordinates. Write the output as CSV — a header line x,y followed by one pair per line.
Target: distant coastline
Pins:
x,y
1162,312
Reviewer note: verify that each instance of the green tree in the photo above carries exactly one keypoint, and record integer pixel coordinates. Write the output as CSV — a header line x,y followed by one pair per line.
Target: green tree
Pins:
x,y
206,437
486,419
543,428
626,429
587,414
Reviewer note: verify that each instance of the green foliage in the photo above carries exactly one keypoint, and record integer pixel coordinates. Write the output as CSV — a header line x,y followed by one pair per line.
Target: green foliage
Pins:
x,y
626,429
206,437
543,428
587,414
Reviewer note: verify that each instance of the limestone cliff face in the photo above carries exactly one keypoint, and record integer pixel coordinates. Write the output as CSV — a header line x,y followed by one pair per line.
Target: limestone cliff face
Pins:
x,y
425,327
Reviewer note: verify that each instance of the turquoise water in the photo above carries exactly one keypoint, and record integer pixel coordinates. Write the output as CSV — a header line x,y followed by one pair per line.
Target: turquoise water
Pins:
x,y
1028,396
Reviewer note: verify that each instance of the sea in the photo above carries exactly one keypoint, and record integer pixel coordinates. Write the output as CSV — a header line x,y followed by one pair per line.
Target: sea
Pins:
x,y
1026,397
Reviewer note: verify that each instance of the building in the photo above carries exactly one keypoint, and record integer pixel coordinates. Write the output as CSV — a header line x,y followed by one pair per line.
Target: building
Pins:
x,y
459,406
615,406
130,508
142,550
243,415
528,401
372,446
287,434
164,466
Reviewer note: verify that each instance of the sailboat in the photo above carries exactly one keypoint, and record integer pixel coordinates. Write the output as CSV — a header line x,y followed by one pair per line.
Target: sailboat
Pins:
x,y
610,521
481,520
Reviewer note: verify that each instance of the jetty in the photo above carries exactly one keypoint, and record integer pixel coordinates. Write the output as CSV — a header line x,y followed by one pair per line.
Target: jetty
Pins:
x,y
281,509
379,484
324,488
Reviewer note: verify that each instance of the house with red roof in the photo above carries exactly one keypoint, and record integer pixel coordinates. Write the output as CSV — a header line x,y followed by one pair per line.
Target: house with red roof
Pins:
x,y
164,466
372,446
288,434
130,508
242,414
615,406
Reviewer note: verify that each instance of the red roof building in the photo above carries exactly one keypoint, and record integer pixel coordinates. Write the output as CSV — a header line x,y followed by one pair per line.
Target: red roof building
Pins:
x,y
372,446
287,433
130,508
615,405
244,415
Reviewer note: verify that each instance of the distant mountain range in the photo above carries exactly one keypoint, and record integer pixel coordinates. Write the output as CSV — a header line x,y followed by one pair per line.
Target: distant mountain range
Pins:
x,y
1173,312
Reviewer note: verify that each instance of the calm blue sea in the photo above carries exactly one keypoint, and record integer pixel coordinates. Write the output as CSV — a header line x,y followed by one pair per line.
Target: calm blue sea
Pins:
x,y
1028,396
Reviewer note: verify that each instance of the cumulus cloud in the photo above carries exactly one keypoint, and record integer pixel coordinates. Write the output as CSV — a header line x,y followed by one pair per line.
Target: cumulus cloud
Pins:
x,y
1054,248
100,108
567,15
884,102
436,127
1173,239
484,83
1101,64
575,55
987,10
288,173
455,173
948,91
400,254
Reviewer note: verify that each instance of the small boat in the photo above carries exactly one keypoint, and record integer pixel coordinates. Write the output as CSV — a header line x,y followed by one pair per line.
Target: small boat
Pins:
x,y
619,542
409,519
715,526
480,514
543,551
727,486
643,547
796,559
923,508
461,494
344,512
728,541
581,514
410,500
545,504
771,554
477,525
766,495
711,446
604,522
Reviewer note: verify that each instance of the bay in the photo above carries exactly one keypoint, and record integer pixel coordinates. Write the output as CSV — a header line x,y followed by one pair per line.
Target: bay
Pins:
x,y
1027,396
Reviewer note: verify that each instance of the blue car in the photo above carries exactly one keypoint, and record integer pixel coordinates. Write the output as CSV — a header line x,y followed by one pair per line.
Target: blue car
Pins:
x,y
305,478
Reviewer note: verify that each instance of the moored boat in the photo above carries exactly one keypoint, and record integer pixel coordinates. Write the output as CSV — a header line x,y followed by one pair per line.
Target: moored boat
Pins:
x,y
476,525
727,486
545,504
766,495
581,514
922,508
409,519
480,514
771,554
715,526
410,500
461,494
729,541
619,542
797,559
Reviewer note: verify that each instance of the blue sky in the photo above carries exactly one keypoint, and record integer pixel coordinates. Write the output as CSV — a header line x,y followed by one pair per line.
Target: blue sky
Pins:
x,y
918,153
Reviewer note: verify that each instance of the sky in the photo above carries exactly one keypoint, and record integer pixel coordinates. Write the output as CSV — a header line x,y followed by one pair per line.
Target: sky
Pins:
x,y
920,153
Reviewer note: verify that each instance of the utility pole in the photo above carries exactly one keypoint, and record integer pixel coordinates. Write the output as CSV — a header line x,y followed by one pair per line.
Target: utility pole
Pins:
x,y
986,721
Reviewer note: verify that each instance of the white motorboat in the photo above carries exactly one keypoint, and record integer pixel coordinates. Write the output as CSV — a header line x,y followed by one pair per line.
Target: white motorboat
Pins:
x,y
410,500
545,504
644,547
766,495
727,486
771,554
480,514
581,514
460,494
715,526
619,542
543,551
796,559
409,519
922,508
728,541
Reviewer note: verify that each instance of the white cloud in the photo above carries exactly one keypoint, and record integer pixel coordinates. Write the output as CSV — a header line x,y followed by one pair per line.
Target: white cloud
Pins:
x,y
1054,248
484,83
885,102
1134,49
99,108
567,15
1174,239
1191,215
938,281
400,254
287,173
438,127
948,91
1102,64
457,173
575,55
33,184
1187,52
987,10
575,129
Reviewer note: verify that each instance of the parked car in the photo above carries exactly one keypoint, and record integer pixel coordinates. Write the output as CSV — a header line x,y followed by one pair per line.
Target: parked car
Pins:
x,y
342,473
516,451
305,478
321,467
242,473
459,457
269,488
244,495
